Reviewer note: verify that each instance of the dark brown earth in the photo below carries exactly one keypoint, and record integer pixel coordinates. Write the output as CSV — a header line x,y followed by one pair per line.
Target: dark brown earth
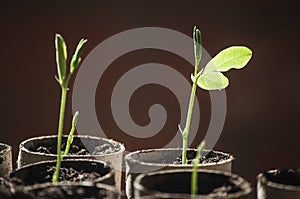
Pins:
x,y
210,157
78,149
285,176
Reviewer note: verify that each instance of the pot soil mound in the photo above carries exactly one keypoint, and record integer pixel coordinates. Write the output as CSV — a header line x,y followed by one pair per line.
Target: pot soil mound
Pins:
x,y
210,157
77,148
285,176
66,174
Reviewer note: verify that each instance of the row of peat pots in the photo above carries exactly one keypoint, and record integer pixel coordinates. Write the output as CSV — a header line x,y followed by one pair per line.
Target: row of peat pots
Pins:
x,y
94,167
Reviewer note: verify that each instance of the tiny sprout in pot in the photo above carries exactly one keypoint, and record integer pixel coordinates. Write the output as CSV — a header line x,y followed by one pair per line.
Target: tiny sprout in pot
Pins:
x,y
5,159
43,148
161,159
278,184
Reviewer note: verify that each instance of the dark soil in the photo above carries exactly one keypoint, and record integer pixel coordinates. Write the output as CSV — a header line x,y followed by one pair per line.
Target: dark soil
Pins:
x,y
285,176
210,157
66,174
77,148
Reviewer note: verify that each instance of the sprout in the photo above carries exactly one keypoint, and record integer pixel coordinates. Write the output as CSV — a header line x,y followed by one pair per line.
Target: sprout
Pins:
x,y
211,77
63,79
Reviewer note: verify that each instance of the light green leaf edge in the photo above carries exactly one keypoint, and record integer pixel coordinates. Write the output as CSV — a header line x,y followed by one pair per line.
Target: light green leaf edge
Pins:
x,y
233,57
61,57
76,57
212,81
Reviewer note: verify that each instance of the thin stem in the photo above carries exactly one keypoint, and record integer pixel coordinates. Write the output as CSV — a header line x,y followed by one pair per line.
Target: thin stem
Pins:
x,y
194,181
60,132
186,130
188,123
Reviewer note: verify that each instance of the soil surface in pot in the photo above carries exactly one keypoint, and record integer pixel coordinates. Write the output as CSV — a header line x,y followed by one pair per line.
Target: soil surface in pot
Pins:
x,y
210,157
77,148
66,174
285,176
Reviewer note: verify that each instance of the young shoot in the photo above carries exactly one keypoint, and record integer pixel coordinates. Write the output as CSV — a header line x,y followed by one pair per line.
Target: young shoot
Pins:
x,y
194,178
211,77
63,79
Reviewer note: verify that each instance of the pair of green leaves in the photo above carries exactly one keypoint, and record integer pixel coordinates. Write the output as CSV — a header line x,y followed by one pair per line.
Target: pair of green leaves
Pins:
x,y
61,57
211,77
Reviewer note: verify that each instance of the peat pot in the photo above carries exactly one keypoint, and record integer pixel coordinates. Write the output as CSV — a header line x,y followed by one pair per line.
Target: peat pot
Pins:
x,y
278,184
79,170
169,158
176,184
44,148
5,159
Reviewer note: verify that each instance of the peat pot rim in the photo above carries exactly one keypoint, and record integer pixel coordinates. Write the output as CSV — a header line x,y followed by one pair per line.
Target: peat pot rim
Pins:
x,y
111,190
265,181
130,157
76,161
115,144
4,148
66,183
246,186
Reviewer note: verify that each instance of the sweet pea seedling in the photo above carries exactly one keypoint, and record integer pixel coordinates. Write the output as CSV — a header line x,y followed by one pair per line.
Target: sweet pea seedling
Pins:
x,y
63,79
211,77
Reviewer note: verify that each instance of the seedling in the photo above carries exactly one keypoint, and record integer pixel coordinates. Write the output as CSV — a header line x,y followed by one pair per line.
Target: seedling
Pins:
x,y
194,179
63,79
211,77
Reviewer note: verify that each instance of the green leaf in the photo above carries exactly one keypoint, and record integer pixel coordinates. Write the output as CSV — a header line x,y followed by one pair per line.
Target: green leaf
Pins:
x,y
197,45
76,57
61,56
212,81
233,57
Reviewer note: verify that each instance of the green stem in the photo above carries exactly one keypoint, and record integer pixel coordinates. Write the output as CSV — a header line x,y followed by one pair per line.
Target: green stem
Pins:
x,y
186,130
60,132
194,181
188,123
71,134
70,140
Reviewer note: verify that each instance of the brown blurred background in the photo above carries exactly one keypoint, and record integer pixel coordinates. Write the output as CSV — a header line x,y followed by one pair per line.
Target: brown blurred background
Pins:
x,y
261,129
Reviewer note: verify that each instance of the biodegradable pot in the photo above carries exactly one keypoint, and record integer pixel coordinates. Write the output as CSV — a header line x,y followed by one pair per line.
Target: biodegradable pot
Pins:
x,y
278,184
112,151
67,191
78,170
160,159
177,184
5,159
